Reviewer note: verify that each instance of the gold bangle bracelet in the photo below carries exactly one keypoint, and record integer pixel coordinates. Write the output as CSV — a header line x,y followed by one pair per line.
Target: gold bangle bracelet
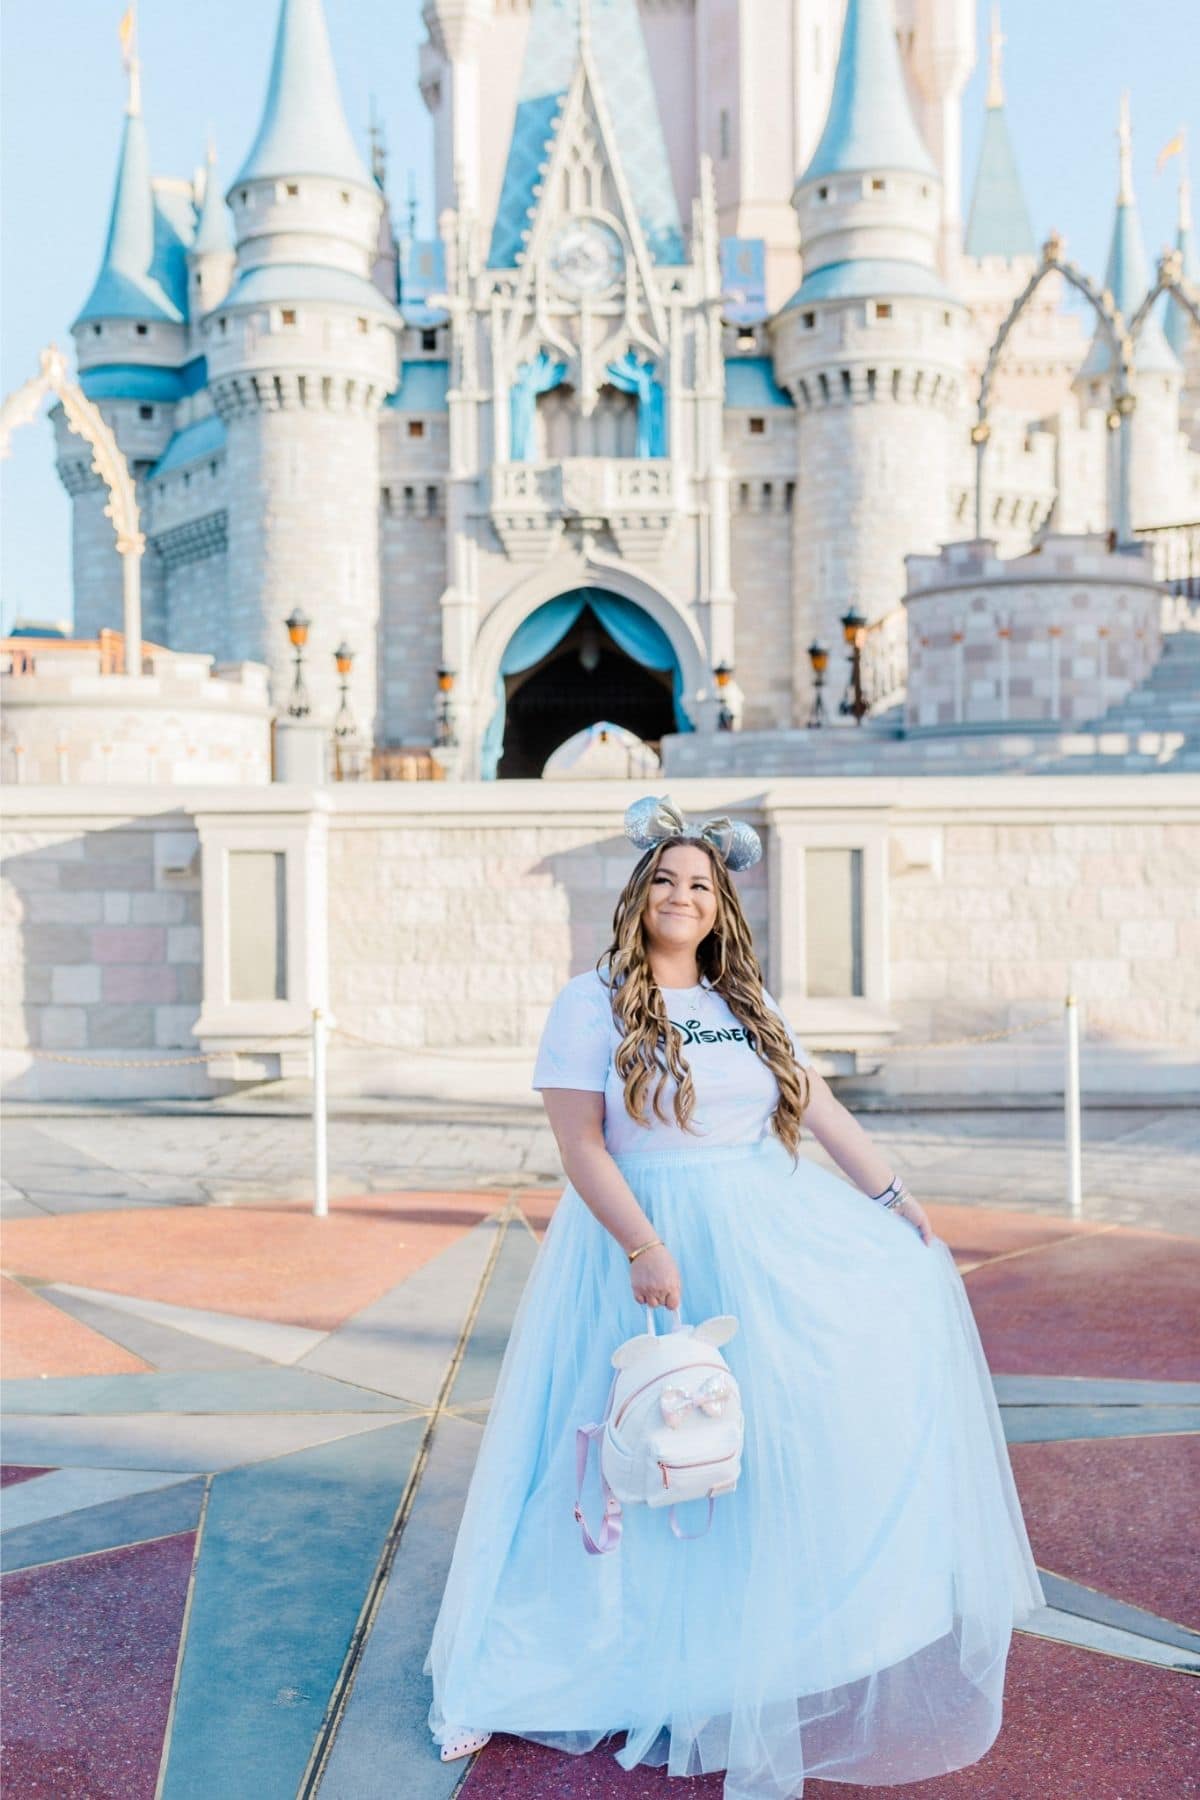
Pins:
x,y
634,1254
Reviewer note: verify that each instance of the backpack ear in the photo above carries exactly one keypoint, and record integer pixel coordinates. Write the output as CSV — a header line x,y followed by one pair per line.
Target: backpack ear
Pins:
x,y
719,1330
632,1350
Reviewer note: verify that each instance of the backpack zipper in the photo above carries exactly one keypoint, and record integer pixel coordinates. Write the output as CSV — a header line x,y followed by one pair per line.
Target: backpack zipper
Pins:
x,y
702,1462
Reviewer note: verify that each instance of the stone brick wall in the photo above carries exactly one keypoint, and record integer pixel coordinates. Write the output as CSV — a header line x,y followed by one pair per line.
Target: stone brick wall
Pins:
x,y
412,569
100,933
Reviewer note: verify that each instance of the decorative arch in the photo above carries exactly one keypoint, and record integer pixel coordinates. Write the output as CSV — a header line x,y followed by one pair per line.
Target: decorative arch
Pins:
x,y
85,419
1120,336
1169,278
559,577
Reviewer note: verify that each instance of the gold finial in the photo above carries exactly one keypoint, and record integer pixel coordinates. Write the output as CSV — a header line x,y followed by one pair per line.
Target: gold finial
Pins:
x,y
127,32
1125,151
996,43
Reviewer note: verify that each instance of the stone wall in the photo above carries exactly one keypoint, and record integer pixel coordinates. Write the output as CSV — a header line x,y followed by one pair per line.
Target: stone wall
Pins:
x,y
456,911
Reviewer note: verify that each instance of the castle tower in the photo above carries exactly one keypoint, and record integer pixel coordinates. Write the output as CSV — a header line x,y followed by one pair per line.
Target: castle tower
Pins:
x,y
301,352
1183,334
870,347
1154,438
131,339
211,255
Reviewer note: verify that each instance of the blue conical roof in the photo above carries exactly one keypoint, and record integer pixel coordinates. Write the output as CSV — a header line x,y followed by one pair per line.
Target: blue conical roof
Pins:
x,y
870,124
1179,324
1126,276
127,286
303,129
212,228
998,224
618,57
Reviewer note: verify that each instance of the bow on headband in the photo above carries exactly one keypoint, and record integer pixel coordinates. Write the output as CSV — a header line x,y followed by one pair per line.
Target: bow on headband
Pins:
x,y
656,818
711,1397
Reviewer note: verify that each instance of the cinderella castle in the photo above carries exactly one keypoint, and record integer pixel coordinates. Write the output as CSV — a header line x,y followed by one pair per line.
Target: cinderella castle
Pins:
x,y
686,379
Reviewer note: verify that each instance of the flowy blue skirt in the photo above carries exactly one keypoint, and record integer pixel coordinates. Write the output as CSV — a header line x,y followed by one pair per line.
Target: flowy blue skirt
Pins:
x,y
848,1615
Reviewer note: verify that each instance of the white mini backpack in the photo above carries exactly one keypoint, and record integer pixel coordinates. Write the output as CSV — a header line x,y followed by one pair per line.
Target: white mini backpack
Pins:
x,y
672,1428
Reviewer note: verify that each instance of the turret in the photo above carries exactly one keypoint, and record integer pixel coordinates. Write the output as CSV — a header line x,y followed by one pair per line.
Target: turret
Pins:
x,y
131,342
1183,334
301,353
870,346
1154,442
998,225
211,254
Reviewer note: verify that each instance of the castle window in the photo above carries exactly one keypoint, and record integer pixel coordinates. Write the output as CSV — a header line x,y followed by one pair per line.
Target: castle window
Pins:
x,y
804,394
364,325
789,495
345,196
431,502
96,330
823,384
224,324
809,321
243,196
145,412
416,428
385,496
199,280
872,375
822,193
744,495
142,330
187,478
287,316
878,184
212,469
883,309
429,340
757,427
724,134
947,318
924,190
847,388
410,501
768,494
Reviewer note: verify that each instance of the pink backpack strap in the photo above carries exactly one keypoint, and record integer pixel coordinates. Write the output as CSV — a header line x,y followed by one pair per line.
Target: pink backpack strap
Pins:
x,y
688,1535
610,1528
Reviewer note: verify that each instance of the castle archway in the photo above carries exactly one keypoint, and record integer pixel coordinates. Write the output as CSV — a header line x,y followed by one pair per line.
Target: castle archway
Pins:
x,y
584,656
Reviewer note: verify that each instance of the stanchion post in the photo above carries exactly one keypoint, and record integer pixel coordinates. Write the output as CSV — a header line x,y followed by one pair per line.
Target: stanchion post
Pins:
x,y
320,1102
1071,1101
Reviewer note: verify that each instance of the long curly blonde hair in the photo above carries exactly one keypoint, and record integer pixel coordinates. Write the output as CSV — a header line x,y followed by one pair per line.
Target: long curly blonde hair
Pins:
x,y
651,1048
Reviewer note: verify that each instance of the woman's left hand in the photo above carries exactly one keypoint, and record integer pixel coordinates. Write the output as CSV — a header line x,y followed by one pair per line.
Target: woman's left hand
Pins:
x,y
915,1213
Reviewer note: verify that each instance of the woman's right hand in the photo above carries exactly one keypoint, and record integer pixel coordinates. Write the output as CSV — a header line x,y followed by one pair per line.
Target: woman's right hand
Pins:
x,y
656,1279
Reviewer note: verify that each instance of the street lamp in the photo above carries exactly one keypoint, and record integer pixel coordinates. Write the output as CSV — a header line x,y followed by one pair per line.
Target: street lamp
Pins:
x,y
445,737
818,656
343,662
723,675
854,630
297,624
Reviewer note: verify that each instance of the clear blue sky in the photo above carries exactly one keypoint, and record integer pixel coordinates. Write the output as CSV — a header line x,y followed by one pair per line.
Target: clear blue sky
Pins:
x,y
205,66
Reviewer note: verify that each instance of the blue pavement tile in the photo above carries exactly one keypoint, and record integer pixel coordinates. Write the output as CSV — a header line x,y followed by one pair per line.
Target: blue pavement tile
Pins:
x,y
402,1343
288,1552
1054,1424
476,1379
385,1729
1090,1603
128,1521
70,1490
226,1391
1087,1390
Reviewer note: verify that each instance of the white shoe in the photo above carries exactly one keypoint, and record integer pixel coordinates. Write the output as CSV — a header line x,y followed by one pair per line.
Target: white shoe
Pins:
x,y
460,1742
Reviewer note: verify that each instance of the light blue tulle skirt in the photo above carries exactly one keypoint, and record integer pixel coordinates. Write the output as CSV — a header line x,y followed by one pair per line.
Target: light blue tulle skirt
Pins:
x,y
848,1616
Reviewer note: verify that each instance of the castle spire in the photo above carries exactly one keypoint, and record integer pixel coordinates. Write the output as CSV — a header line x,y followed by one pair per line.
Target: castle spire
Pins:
x,y
303,129
870,123
1126,274
1179,325
996,42
998,223
126,287
212,229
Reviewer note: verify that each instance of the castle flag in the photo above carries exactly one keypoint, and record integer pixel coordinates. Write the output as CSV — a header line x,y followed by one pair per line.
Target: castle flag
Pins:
x,y
125,31
1174,148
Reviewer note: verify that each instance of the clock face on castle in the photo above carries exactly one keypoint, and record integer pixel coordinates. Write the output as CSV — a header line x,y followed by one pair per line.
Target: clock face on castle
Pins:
x,y
586,256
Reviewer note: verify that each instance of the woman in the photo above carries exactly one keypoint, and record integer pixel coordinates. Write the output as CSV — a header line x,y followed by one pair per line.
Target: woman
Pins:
x,y
848,1614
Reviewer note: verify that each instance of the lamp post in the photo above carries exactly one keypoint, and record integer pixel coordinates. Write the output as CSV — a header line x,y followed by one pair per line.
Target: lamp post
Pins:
x,y
297,624
818,656
723,675
343,662
444,735
854,629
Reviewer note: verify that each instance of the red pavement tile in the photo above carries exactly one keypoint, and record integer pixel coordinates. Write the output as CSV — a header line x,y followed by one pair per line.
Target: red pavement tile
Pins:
x,y
12,1473
1114,1303
1117,1514
1077,1726
976,1234
267,1262
89,1658
36,1338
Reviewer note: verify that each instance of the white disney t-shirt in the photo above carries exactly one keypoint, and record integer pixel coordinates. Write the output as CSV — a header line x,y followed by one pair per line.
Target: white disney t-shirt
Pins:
x,y
736,1094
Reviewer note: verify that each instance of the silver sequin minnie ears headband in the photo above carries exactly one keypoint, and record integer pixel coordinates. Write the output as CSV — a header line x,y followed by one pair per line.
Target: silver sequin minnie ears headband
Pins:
x,y
656,818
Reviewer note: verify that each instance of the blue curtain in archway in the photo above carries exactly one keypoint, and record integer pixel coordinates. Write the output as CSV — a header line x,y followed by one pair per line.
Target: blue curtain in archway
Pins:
x,y
634,376
532,378
631,629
